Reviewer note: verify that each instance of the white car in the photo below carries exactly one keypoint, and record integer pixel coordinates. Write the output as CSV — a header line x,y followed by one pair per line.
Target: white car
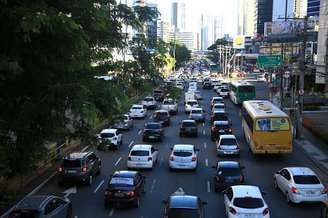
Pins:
x,y
218,107
127,123
138,110
198,95
227,145
112,138
261,78
245,201
191,104
300,184
142,156
149,102
216,100
224,92
183,156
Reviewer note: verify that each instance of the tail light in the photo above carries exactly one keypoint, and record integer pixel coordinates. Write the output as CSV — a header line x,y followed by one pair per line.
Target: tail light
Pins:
x,y
84,169
241,179
232,210
60,169
324,191
150,158
193,158
294,190
107,192
213,129
131,193
129,158
229,130
171,157
265,211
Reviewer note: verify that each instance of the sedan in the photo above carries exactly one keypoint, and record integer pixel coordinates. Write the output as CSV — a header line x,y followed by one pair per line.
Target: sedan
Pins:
x,y
227,145
149,102
124,187
42,206
188,127
126,124
153,130
245,201
142,156
227,173
218,107
300,184
138,110
183,156
197,114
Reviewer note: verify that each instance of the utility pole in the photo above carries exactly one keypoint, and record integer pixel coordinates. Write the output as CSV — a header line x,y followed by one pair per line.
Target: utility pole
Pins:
x,y
281,69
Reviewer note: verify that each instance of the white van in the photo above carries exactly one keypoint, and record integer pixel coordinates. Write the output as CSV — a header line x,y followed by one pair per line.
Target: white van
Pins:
x,y
190,96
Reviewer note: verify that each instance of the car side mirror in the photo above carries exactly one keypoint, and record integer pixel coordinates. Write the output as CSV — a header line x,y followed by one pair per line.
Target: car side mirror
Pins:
x,y
224,192
171,149
231,124
164,202
277,172
144,177
264,193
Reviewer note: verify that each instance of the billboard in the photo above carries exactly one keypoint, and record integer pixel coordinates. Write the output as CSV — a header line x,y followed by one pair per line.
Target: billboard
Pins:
x,y
239,42
280,27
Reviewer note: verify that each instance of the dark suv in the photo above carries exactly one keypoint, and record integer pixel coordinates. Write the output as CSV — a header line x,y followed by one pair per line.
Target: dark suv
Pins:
x,y
162,116
79,167
153,130
124,187
188,127
219,116
220,128
207,85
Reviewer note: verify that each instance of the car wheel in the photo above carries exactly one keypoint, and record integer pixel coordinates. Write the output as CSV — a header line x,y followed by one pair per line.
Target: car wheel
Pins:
x,y
287,198
275,183
69,212
90,180
137,202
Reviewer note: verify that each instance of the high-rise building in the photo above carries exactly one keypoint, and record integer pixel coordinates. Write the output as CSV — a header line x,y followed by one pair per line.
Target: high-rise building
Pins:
x,y
152,30
178,16
263,13
246,10
300,8
207,32
313,7
217,27
186,38
163,30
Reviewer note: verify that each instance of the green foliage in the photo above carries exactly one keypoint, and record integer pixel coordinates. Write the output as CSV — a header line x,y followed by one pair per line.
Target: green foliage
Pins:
x,y
173,92
180,52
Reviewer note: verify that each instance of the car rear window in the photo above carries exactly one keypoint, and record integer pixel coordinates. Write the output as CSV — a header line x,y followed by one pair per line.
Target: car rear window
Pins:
x,y
220,126
228,142
24,214
153,126
139,153
218,106
192,103
196,111
71,163
121,181
161,114
229,172
158,92
136,108
248,202
220,115
224,90
107,135
148,99
307,179
182,153
183,212
189,124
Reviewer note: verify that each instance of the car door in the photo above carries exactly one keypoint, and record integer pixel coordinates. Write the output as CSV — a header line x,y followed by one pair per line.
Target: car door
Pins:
x,y
154,153
283,180
138,183
119,136
91,162
54,209
227,199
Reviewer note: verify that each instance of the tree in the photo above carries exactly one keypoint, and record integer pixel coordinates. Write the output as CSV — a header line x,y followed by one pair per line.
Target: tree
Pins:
x,y
180,52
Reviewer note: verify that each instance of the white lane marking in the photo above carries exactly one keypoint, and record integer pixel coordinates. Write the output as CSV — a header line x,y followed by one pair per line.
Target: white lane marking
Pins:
x,y
130,144
139,132
152,186
204,132
206,162
203,124
76,217
71,190
151,117
167,144
85,148
111,212
160,163
208,186
98,186
205,145
118,161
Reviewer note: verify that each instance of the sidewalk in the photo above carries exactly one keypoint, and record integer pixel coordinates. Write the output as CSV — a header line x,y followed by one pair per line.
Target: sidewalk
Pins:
x,y
314,148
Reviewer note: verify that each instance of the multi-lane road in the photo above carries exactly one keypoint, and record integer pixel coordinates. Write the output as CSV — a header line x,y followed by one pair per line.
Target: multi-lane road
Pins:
x,y
88,201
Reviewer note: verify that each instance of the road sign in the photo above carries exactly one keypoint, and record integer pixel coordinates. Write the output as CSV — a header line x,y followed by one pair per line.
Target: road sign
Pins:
x,y
269,60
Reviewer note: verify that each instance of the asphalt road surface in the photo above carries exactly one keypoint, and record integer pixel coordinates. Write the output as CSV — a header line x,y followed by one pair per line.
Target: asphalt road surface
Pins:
x,y
88,201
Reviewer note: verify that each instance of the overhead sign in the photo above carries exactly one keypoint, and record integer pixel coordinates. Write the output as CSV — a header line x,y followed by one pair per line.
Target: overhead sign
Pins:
x,y
269,60
238,42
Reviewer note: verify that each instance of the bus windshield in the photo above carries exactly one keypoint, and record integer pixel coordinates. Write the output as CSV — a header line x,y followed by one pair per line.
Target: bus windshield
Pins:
x,y
272,124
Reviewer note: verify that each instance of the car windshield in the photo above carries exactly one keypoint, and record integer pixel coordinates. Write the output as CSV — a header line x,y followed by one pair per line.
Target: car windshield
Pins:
x,y
248,202
189,124
139,153
136,108
224,90
153,126
24,214
182,153
158,92
168,102
183,213
229,172
107,135
219,106
221,115
307,179
71,163
228,142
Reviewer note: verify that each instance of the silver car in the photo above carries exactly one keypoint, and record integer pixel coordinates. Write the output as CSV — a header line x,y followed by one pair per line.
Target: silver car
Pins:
x,y
197,114
42,206
127,123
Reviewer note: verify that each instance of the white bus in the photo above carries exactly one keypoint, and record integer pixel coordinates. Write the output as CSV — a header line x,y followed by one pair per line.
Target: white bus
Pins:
x,y
266,128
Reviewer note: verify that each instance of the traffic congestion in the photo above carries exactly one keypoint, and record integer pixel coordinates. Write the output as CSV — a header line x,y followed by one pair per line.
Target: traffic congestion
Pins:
x,y
194,156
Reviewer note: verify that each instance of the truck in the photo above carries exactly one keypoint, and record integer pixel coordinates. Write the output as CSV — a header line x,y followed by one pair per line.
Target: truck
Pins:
x,y
170,105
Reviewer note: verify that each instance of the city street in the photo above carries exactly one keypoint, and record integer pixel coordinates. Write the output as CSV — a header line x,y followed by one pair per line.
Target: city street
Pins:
x,y
161,183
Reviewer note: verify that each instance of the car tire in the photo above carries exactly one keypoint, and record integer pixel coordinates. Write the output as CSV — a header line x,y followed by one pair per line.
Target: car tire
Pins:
x,y
136,202
288,199
275,184
69,212
89,180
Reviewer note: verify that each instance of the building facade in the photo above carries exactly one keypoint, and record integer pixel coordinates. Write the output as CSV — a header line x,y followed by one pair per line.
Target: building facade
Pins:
x,y
178,16
151,30
186,38
163,30
246,11
313,7
263,13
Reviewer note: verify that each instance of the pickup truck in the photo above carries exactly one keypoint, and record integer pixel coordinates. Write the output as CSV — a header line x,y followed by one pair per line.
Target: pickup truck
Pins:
x,y
170,105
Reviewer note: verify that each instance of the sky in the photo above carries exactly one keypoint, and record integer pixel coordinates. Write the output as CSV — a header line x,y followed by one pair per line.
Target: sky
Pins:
x,y
195,8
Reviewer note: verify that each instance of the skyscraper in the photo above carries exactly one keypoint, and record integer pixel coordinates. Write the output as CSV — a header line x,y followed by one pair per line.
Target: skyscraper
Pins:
x,y
178,16
263,13
313,7
152,30
163,30
246,9
300,7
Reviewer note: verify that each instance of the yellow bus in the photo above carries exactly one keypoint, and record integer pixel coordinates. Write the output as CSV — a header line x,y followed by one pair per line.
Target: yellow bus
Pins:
x,y
266,128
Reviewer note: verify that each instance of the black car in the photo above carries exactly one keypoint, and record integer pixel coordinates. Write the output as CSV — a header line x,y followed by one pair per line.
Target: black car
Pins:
x,y
219,116
153,130
188,127
42,206
207,85
124,187
227,173
180,205
79,167
220,128
162,116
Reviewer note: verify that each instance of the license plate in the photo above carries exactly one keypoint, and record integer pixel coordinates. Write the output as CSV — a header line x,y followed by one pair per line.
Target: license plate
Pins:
x,y
71,171
151,137
221,130
119,194
229,180
310,192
